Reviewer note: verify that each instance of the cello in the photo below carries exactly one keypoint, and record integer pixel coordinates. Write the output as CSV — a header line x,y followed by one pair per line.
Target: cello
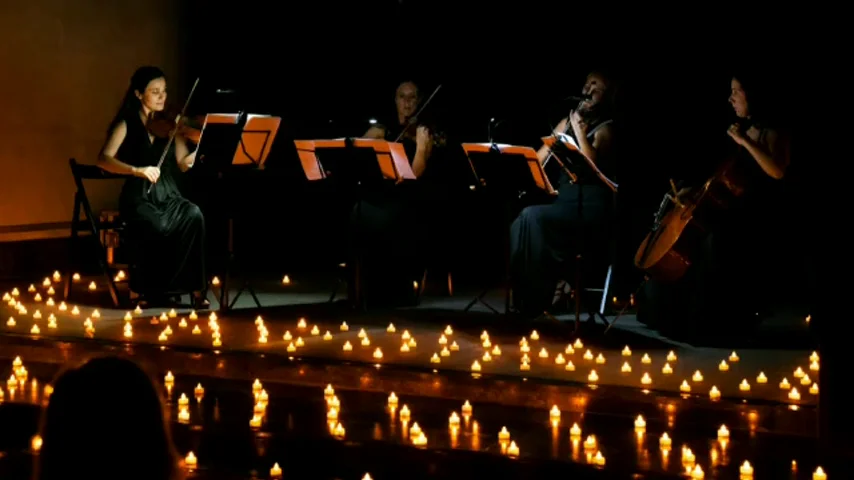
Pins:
x,y
681,224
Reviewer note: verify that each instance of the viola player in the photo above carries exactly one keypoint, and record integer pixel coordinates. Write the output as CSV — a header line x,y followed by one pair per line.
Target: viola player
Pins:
x,y
166,231
543,239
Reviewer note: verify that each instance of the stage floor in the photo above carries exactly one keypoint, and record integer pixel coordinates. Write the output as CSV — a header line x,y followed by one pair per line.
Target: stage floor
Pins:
x,y
767,426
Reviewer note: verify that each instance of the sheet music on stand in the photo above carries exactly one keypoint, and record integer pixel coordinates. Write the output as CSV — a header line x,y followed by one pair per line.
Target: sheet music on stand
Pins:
x,y
510,169
224,141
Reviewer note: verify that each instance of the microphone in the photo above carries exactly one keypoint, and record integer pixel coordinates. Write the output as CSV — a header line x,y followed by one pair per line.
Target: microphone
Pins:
x,y
579,98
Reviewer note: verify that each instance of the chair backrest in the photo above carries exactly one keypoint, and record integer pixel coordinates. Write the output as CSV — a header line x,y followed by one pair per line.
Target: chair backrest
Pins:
x,y
82,172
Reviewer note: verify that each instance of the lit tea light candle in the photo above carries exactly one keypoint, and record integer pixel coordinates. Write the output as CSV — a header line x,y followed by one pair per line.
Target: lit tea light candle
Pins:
x,y
327,336
588,355
667,369
466,408
665,442
525,358
196,330
344,327
569,350
544,353
744,386
183,416
570,367
75,310
698,377
193,315
723,433
714,393
475,366
523,341
56,276
347,346
11,322
806,380
645,359
404,347
443,340
199,392
362,333
794,395
814,357
92,286
286,280
276,471
35,330
599,459
255,421
503,435
496,351
183,323
37,315
559,359
405,413
513,450
646,379
302,325
391,328
697,473
183,401
593,377
814,389
575,431
578,344
339,431
486,356
627,352
332,414
315,330
733,357
626,368
784,384
535,336
590,442
32,288
524,366
291,348
366,342
799,373
37,297
412,343
688,457
137,310
217,342
257,386
746,470
301,343
15,292
640,423
378,354
50,302
169,379
525,348
814,366
484,335
761,378
454,420
600,359
449,331
819,474
455,347
415,430
685,387
434,359
723,366
392,400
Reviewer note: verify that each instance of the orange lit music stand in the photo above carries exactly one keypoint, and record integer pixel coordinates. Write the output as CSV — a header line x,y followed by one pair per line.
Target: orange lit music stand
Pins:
x,y
235,140
355,164
511,172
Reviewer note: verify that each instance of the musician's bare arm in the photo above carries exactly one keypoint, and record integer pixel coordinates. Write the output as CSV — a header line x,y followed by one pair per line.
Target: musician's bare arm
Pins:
x,y
376,132
543,152
107,160
186,160
772,155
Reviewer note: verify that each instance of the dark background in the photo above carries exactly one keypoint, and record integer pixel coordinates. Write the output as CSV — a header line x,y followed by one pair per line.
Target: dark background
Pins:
x,y
327,68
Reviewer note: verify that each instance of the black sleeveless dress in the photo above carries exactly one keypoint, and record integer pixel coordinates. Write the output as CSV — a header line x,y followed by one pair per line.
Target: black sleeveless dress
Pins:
x,y
543,238
386,229
727,283
166,231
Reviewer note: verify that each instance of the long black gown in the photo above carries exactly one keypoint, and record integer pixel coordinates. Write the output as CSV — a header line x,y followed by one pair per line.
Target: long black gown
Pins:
x,y
728,280
386,229
544,238
166,231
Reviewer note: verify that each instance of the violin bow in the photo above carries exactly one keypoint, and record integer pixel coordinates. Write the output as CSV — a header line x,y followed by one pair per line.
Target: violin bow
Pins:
x,y
175,130
423,106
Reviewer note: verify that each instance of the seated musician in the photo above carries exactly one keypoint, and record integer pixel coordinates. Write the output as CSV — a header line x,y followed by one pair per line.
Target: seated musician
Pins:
x,y
389,220
729,278
543,237
167,230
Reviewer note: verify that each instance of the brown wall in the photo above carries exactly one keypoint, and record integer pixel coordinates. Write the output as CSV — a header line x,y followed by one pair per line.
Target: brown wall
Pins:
x,y
64,66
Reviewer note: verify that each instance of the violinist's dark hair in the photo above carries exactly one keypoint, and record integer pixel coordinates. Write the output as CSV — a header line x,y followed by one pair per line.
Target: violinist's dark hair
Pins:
x,y
405,81
138,83
109,407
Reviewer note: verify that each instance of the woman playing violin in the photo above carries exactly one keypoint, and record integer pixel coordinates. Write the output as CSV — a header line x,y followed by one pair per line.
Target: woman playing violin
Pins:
x,y
166,229
417,139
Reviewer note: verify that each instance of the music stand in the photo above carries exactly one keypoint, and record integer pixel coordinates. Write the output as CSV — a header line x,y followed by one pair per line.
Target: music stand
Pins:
x,y
356,165
573,161
235,140
510,172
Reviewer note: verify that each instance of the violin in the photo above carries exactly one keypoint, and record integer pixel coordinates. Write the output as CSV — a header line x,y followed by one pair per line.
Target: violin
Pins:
x,y
163,124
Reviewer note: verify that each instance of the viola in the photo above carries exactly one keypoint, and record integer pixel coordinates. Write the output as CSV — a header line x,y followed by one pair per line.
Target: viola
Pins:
x,y
162,125
438,137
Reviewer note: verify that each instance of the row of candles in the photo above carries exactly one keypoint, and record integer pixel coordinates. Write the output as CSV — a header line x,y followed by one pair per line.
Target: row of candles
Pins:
x,y
409,343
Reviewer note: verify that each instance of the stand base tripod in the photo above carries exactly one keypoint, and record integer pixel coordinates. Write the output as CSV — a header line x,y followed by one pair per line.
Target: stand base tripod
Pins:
x,y
231,263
